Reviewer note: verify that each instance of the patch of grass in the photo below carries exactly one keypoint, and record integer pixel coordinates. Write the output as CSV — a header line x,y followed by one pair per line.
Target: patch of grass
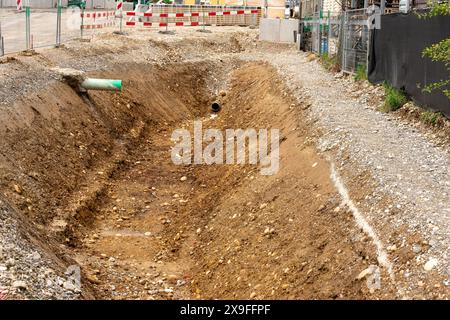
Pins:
x,y
394,98
360,73
430,117
330,63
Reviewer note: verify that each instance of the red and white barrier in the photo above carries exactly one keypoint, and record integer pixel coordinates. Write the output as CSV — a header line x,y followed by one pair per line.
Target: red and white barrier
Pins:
x,y
98,19
190,14
98,14
181,15
19,5
119,6
163,24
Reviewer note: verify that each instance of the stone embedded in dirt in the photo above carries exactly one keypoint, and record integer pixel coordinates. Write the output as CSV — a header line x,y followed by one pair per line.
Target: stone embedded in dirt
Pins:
x,y
10,263
431,263
18,189
252,295
183,178
269,231
416,248
35,256
69,285
263,205
180,283
147,234
93,279
19,284
172,278
367,272
392,248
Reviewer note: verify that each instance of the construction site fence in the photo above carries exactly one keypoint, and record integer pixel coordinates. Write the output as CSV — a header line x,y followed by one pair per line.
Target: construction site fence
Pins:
x,y
37,28
183,15
344,37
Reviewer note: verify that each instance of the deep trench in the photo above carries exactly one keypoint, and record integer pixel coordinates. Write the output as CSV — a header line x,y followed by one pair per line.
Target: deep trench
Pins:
x,y
96,178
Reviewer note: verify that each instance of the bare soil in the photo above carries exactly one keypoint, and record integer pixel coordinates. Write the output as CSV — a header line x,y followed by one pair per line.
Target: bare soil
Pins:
x,y
92,180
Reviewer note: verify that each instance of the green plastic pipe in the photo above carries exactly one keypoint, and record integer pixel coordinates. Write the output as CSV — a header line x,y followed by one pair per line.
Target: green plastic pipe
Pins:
x,y
102,84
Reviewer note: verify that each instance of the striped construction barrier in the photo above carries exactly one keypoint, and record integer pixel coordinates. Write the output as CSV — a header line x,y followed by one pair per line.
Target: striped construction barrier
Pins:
x,y
98,19
97,15
190,14
98,25
254,12
163,24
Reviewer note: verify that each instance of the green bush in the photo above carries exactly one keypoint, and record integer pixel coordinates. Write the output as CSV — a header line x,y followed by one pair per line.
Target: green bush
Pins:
x,y
394,98
360,73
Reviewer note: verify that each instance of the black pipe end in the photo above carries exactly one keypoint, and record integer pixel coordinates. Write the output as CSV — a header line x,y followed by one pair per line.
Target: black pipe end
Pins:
x,y
215,107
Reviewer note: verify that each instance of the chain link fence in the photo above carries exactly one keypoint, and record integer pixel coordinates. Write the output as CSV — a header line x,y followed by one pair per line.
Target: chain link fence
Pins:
x,y
37,28
321,33
355,40
344,36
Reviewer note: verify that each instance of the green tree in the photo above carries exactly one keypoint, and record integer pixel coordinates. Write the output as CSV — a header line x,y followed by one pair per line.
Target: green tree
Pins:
x,y
438,51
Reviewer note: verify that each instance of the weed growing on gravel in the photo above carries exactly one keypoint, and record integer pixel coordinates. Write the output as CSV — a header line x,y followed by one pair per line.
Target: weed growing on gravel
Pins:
x,y
360,73
394,98
330,63
430,117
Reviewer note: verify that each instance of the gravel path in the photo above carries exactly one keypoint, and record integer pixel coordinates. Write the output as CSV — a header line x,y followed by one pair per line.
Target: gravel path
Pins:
x,y
407,166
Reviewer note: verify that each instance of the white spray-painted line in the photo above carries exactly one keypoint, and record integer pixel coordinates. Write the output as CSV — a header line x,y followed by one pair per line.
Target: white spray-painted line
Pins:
x,y
382,255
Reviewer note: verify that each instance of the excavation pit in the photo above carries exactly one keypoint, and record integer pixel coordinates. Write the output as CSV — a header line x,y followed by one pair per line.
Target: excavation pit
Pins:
x,y
94,179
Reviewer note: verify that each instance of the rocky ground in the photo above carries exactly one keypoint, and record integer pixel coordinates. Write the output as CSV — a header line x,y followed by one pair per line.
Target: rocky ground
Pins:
x,y
357,197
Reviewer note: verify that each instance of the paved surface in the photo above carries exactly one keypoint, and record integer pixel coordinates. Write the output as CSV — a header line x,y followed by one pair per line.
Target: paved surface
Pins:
x,y
43,28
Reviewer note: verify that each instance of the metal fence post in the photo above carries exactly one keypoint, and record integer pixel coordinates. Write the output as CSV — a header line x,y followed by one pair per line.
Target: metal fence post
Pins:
x,y
203,14
369,37
344,37
2,44
27,27
121,19
82,23
58,24
319,33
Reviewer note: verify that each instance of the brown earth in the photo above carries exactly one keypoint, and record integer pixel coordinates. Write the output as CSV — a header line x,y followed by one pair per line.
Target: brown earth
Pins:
x,y
94,174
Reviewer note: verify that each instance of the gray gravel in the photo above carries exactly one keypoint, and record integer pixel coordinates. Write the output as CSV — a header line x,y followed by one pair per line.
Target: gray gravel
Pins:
x,y
412,170
25,270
